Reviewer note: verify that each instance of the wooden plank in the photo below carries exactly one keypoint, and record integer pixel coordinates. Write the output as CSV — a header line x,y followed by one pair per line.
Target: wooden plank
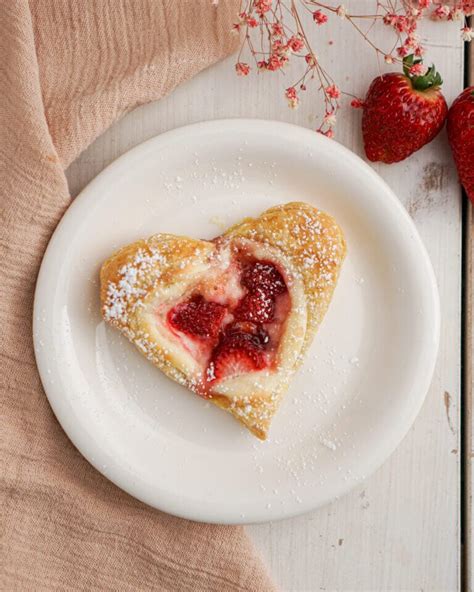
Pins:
x,y
468,423
468,377
400,529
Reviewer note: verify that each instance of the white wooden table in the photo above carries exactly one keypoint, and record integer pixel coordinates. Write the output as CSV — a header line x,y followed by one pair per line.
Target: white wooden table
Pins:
x,y
400,529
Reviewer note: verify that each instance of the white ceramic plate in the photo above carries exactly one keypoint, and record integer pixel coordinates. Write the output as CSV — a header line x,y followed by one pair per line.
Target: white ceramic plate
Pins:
x,y
363,381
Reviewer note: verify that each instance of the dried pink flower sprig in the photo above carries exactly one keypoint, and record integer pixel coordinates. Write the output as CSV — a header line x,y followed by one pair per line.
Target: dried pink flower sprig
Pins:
x,y
274,35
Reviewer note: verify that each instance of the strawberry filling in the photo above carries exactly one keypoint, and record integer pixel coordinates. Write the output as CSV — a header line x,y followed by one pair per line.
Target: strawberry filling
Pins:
x,y
264,276
238,336
198,317
256,307
240,349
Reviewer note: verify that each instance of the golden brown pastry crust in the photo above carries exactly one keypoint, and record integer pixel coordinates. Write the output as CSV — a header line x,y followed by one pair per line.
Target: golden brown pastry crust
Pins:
x,y
309,239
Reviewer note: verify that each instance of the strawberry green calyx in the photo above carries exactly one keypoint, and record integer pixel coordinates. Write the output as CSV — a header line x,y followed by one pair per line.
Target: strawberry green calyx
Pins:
x,y
430,80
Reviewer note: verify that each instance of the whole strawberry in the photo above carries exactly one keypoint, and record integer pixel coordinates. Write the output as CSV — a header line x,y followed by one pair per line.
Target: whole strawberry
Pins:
x,y
402,112
461,137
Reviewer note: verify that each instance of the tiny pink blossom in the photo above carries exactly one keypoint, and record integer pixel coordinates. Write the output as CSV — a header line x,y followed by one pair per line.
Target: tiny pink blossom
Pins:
x,y
424,3
319,17
276,62
357,103
295,43
402,24
262,65
441,12
468,7
262,6
247,19
390,19
412,40
292,97
402,51
399,22
242,69
277,29
310,59
418,69
333,91
279,47
388,59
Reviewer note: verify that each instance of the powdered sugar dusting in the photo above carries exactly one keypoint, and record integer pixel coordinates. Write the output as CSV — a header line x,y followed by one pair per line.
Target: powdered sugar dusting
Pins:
x,y
127,290
328,443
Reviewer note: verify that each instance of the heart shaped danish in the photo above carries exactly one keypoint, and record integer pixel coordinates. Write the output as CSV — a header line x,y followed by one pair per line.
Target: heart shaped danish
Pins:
x,y
230,318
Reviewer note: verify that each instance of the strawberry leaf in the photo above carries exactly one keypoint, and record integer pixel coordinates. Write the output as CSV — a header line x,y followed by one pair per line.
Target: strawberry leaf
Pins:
x,y
421,82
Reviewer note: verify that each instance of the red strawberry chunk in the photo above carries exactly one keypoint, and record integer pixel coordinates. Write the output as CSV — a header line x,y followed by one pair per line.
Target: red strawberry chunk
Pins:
x,y
264,276
253,329
257,307
238,352
198,317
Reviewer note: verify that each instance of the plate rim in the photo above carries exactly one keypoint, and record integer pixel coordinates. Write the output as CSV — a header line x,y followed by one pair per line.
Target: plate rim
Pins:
x,y
87,194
